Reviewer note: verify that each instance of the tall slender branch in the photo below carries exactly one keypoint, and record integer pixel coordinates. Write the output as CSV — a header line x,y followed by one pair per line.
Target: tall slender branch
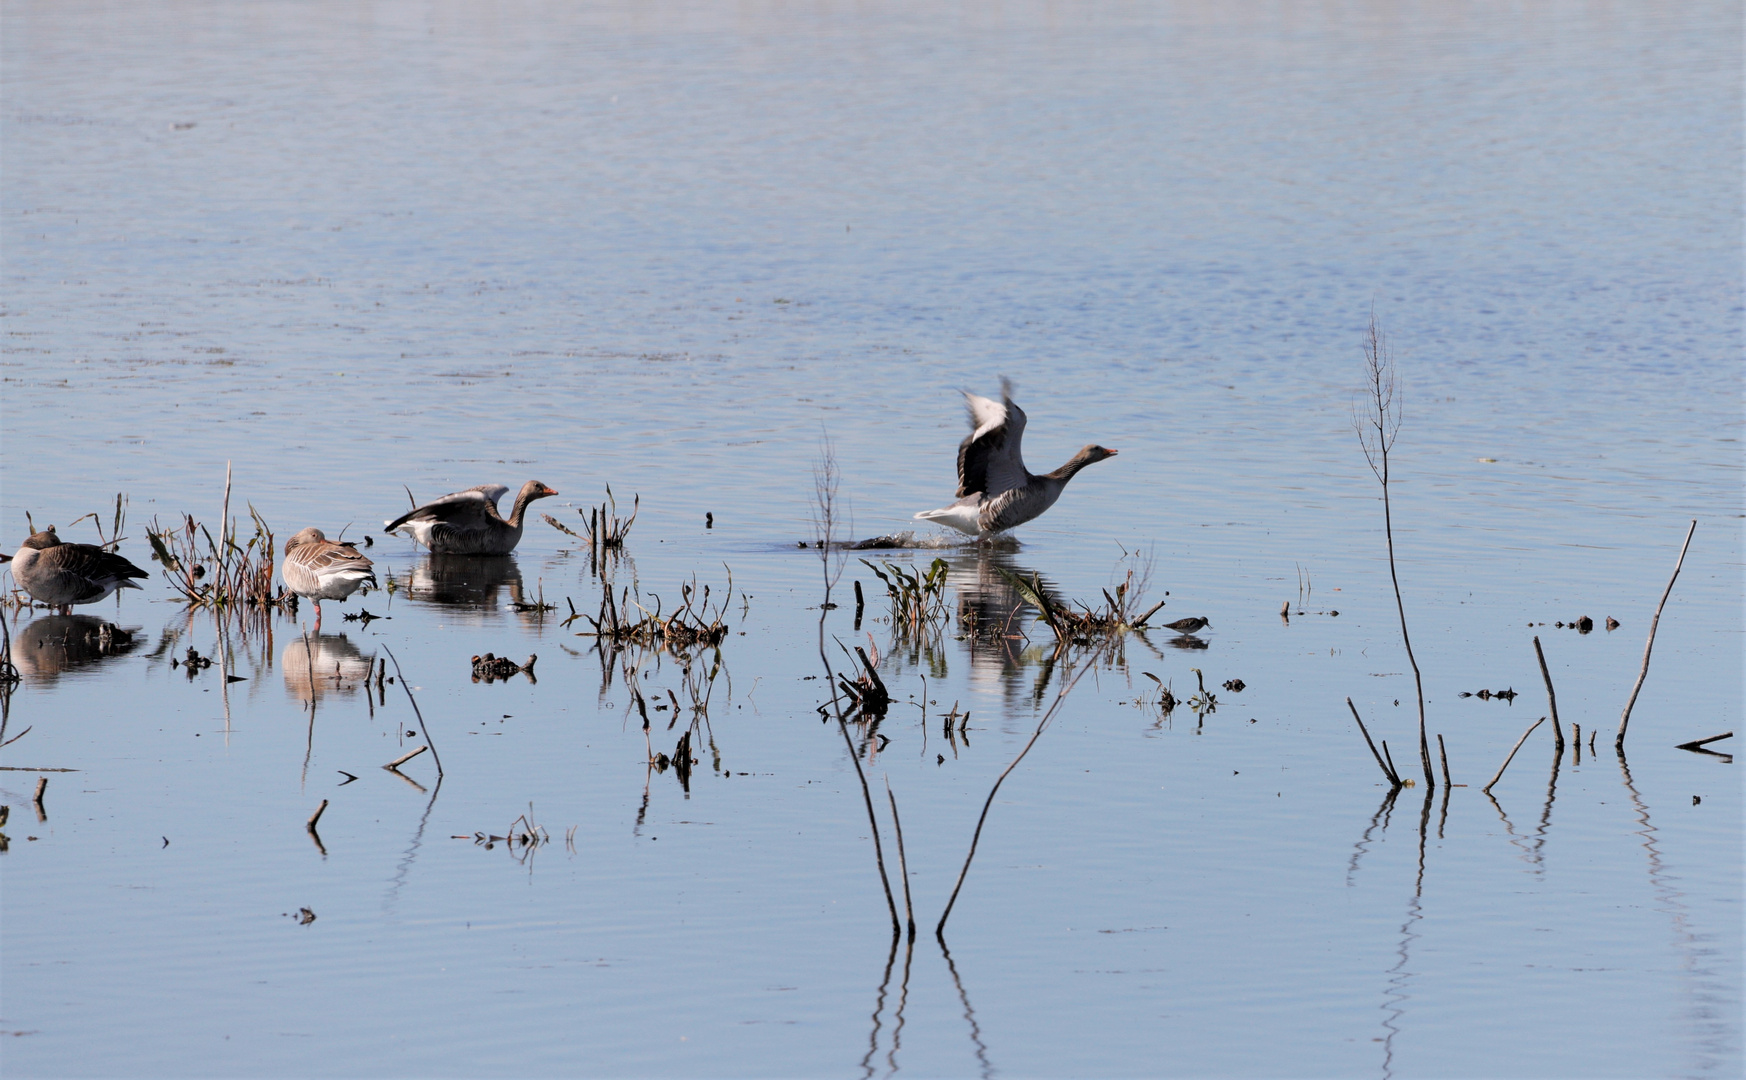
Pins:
x,y
1619,743
825,477
1377,429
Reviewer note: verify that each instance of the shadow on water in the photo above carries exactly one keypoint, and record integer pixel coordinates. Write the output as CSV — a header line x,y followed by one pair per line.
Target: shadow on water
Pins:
x,y
47,647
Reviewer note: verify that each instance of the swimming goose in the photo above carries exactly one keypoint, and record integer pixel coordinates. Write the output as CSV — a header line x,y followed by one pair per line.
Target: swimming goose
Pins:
x,y
467,522
60,574
322,569
995,490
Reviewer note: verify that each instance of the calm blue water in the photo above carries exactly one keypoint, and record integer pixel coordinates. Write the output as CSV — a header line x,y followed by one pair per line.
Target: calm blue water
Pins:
x,y
681,249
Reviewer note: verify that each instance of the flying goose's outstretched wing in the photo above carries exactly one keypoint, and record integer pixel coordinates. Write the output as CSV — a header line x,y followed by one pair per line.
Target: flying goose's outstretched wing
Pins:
x,y
989,459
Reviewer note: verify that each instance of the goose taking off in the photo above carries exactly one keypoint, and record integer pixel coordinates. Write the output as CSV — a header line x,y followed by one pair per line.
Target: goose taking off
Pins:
x,y
995,490
60,574
467,522
323,569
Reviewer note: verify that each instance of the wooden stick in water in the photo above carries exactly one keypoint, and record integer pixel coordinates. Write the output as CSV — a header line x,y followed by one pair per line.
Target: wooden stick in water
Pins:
x,y
404,758
1518,746
1444,751
1387,773
1551,698
902,860
1624,720
315,817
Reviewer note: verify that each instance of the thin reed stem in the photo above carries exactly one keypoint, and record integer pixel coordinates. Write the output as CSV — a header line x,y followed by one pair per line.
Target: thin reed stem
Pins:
x,y
1551,698
1624,720
1506,764
1387,773
902,861
428,741
976,837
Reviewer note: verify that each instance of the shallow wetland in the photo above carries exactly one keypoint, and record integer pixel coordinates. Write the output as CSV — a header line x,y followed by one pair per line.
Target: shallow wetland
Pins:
x,y
601,806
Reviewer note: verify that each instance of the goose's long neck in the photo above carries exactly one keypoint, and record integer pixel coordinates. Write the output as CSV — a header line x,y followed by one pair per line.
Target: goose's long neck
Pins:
x,y
1066,472
520,507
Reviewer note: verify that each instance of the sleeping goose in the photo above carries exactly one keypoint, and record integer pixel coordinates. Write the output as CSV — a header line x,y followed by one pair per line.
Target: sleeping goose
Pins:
x,y
60,574
467,522
322,569
995,490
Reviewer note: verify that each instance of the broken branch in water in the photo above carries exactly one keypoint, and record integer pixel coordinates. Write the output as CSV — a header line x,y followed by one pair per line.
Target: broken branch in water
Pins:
x,y
1506,764
404,685
1551,698
976,837
1387,773
1649,645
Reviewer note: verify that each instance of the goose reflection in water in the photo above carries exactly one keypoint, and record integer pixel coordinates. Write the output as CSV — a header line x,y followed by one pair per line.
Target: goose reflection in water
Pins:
x,y
44,648
474,581
338,666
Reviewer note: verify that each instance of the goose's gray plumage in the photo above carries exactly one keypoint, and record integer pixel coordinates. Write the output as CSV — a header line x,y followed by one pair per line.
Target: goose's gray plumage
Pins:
x,y
60,574
467,522
995,490
321,569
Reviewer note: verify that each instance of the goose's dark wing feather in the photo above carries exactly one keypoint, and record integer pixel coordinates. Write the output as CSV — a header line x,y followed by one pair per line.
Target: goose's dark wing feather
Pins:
x,y
989,459
469,509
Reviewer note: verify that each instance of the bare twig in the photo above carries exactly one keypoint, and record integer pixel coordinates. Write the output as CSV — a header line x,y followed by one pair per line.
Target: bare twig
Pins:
x,y
976,837
1506,764
1625,719
1551,698
1387,773
1444,751
404,758
398,674
1693,745
902,861
1377,429
825,478
315,817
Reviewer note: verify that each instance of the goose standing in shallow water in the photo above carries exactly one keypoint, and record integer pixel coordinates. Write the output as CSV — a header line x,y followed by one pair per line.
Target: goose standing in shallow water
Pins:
x,y
467,522
995,490
60,574
322,569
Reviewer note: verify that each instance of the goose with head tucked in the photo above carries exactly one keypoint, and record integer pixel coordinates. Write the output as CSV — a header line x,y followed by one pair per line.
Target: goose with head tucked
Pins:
x,y
995,490
60,574
467,522
321,569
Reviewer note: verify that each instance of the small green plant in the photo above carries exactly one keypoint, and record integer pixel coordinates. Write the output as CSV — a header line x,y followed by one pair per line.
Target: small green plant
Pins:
x,y
918,597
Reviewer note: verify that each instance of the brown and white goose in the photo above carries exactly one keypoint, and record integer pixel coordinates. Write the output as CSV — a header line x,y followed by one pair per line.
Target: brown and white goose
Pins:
x,y
995,490
321,569
60,574
467,522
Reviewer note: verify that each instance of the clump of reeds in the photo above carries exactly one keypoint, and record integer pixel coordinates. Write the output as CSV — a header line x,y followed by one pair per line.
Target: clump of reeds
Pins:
x,y
868,696
918,597
697,621
1077,623
225,573
606,531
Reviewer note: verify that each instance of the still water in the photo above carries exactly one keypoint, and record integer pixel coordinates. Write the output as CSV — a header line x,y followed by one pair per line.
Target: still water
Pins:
x,y
690,250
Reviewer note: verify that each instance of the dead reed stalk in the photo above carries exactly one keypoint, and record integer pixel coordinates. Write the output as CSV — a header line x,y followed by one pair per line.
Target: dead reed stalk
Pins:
x,y
1506,763
1387,773
428,741
1648,646
1378,425
825,478
976,837
1551,697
